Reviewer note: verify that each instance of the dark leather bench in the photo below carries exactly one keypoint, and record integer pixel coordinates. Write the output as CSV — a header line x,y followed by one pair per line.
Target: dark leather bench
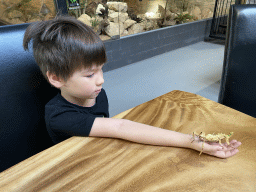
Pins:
x,y
24,92
23,95
238,82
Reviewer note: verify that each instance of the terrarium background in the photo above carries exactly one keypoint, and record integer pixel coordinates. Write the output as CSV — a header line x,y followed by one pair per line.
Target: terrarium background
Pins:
x,y
199,9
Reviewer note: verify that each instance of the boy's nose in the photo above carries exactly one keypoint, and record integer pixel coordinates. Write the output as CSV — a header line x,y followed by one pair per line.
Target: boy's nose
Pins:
x,y
100,80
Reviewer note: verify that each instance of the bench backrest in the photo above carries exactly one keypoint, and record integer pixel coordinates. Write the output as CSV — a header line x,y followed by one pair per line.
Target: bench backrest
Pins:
x,y
23,95
238,82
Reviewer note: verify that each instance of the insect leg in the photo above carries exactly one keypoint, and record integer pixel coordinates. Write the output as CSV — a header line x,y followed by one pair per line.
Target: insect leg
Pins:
x,y
193,137
202,148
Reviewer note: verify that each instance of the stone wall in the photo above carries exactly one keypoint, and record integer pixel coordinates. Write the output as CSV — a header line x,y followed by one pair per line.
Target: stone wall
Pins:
x,y
26,13
201,9
120,22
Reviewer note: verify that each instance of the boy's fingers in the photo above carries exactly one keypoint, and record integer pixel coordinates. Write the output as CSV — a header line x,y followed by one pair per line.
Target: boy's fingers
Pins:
x,y
225,153
231,153
233,141
235,144
222,151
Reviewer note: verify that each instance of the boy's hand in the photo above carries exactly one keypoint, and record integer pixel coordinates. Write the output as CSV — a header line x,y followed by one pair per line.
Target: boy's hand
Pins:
x,y
146,134
215,149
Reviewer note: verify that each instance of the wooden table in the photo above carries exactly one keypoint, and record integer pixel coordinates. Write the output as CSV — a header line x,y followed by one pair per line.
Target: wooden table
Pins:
x,y
104,164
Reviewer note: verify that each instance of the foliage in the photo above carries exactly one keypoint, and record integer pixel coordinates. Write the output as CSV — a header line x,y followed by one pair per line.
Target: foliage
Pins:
x,y
76,12
95,22
183,17
82,3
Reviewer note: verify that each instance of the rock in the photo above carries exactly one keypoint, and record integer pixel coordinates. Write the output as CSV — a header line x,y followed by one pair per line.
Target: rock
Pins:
x,y
210,15
174,8
33,20
98,18
113,29
103,10
205,13
196,12
169,15
123,17
16,21
125,33
169,23
102,26
100,6
161,10
136,28
142,16
15,14
133,16
104,37
149,24
117,6
128,23
91,9
86,19
114,17
111,12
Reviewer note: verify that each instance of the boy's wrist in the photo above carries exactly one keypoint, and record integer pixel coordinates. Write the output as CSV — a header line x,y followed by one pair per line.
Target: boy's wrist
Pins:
x,y
193,142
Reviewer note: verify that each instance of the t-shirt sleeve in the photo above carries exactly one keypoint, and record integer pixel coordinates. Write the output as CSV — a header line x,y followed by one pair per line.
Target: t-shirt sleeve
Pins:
x,y
70,123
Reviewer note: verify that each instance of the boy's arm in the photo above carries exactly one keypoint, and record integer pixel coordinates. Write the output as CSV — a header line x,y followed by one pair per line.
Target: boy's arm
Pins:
x,y
138,132
146,134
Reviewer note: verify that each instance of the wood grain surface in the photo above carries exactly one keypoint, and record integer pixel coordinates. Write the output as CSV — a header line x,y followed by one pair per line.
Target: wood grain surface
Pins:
x,y
104,164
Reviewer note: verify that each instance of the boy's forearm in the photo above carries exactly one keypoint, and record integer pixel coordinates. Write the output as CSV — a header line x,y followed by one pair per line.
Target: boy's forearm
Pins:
x,y
146,134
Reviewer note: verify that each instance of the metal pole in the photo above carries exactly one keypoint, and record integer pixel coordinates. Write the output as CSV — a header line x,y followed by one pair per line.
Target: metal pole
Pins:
x,y
61,7
238,2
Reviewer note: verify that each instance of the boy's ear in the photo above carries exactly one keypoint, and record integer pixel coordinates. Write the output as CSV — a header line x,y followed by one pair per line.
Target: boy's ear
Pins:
x,y
55,80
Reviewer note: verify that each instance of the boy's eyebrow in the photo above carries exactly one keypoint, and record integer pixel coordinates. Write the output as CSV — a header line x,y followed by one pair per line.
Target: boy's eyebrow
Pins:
x,y
94,68
91,69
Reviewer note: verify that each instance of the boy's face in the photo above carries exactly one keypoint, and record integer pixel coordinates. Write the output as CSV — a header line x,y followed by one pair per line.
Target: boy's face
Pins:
x,y
83,86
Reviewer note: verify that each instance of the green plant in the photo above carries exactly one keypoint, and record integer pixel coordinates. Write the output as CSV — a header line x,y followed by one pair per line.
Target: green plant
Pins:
x,y
72,13
78,12
183,17
95,22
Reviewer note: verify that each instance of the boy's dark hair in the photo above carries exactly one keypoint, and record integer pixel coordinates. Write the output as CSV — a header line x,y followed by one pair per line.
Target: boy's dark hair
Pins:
x,y
63,45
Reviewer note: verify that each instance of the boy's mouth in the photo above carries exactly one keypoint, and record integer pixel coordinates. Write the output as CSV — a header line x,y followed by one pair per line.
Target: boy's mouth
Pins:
x,y
97,91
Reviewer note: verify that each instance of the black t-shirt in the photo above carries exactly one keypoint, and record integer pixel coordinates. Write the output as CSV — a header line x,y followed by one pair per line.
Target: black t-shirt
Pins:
x,y
64,119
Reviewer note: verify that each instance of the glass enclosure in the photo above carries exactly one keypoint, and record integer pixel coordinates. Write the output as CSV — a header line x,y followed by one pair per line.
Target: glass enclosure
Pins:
x,y
26,11
111,19
114,19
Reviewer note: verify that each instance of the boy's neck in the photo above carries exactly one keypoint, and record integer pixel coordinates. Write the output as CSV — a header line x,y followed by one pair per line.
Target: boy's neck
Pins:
x,y
79,102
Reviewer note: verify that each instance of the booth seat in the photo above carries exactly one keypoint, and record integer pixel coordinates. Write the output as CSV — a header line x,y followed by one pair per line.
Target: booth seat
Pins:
x,y
23,95
238,82
24,91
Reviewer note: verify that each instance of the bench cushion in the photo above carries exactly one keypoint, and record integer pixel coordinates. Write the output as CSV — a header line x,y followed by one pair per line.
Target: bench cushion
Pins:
x,y
24,93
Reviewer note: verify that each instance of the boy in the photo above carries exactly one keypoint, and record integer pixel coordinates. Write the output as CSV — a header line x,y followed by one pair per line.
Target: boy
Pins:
x,y
71,56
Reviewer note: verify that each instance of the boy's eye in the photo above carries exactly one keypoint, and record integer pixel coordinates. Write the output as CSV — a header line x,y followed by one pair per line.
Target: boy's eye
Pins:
x,y
90,75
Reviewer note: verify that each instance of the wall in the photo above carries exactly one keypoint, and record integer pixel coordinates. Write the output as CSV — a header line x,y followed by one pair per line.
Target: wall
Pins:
x,y
134,48
200,9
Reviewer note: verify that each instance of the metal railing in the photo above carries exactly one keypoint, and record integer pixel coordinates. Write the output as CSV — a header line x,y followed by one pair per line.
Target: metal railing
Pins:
x,y
220,16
